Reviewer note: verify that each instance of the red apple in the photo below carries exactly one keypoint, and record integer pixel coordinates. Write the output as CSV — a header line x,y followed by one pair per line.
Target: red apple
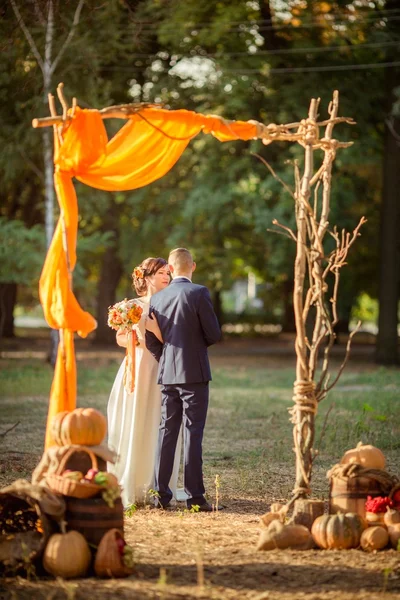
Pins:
x,y
121,545
91,474
396,498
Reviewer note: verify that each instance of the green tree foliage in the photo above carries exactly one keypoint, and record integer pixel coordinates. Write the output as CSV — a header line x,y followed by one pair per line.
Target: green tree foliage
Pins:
x,y
22,252
247,60
243,60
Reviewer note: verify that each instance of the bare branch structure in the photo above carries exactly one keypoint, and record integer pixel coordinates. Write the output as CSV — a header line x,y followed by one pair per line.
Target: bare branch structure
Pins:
x,y
316,283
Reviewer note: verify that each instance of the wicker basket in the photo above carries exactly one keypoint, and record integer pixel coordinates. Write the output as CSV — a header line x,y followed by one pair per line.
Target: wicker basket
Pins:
x,y
394,489
67,487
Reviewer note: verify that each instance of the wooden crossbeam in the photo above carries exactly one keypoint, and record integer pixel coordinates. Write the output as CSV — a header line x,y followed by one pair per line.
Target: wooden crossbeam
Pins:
x,y
119,111
291,132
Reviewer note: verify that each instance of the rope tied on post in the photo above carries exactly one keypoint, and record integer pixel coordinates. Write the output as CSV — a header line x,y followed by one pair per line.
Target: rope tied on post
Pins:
x,y
304,398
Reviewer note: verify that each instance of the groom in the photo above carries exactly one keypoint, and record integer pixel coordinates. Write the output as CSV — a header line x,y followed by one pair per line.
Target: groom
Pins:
x,y
188,325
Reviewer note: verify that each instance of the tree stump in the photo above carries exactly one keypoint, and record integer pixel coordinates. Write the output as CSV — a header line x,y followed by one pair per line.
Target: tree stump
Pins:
x,y
306,511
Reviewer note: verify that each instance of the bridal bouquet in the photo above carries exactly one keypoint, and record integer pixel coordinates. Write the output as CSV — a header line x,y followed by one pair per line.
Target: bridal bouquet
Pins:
x,y
124,315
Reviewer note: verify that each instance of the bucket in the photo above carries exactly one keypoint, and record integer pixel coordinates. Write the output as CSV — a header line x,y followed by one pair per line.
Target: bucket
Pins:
x,y
350,493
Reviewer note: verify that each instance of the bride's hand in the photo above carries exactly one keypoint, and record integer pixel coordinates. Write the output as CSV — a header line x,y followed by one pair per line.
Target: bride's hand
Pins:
x,y
122,339
152,325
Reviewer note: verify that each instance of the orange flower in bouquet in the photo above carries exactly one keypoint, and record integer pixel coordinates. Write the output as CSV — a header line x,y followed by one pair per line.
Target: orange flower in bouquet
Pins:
x,y
124,315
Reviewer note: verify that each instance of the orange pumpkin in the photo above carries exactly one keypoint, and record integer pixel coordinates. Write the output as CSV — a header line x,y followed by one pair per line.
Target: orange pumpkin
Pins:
x,y
82,426
340,531
368,456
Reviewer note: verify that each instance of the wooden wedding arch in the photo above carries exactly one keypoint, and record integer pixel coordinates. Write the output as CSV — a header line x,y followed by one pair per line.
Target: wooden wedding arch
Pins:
x,y
144,150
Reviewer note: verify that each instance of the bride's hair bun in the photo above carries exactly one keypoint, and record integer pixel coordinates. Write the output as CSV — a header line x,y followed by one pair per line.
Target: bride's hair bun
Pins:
x,y
146,268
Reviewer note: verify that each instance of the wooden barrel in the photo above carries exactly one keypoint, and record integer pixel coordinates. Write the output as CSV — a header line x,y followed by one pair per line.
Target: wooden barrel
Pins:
x,y
349,494
93,517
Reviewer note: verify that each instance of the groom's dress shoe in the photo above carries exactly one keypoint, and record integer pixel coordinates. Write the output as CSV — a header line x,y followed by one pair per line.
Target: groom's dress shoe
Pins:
x,y
160,506
206,507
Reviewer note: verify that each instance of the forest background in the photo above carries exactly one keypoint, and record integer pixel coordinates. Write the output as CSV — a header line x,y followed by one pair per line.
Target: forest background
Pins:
x,y
252,59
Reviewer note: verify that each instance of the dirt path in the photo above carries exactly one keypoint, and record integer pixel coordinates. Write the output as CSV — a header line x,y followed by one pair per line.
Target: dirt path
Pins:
x,y
174,550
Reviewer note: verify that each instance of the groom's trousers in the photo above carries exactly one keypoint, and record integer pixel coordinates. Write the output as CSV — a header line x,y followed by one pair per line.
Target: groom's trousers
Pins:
x,y
186,405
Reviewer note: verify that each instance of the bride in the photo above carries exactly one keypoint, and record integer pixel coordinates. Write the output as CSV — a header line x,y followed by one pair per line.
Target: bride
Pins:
x,y
134,418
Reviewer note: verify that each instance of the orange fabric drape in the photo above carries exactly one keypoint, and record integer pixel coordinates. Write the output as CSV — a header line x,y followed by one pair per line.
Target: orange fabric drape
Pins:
x,y
145,149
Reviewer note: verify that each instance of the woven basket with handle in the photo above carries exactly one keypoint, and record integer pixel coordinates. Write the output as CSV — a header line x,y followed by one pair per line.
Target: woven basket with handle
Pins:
x,y
68,487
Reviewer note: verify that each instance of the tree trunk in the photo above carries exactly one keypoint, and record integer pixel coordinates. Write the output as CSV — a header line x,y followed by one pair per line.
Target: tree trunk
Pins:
x,y
389,263
217,301
288,322
306,511
111,272
49,165
8,298
49,184
49,221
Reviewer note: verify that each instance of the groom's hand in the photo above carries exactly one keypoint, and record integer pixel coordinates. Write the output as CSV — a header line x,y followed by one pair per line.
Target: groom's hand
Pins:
x,y
151,324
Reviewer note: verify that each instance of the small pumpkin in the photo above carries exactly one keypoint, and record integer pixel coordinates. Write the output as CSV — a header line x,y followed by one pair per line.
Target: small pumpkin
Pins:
x,y
110,556
282,536
67,555
374,538
340,531
391,517
82,426
266,519
277,507
394,535
368,456
375,518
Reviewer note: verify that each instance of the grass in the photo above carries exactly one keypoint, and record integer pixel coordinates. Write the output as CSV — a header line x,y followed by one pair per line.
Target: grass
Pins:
x,y
248,445
248,433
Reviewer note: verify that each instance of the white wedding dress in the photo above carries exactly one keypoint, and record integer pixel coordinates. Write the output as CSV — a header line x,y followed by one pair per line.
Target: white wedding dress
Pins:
x,y
133,423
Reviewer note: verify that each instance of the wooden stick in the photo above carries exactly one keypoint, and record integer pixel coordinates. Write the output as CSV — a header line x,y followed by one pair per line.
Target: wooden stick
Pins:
x,y
63,100
4,433
271,170
74,105
121,111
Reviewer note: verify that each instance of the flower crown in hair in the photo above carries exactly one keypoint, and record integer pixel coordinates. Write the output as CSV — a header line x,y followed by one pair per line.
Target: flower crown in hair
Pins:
x,y
138,273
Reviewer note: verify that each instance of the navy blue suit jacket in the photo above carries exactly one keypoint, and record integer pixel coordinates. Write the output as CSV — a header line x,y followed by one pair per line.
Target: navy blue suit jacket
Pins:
x,y
188,326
